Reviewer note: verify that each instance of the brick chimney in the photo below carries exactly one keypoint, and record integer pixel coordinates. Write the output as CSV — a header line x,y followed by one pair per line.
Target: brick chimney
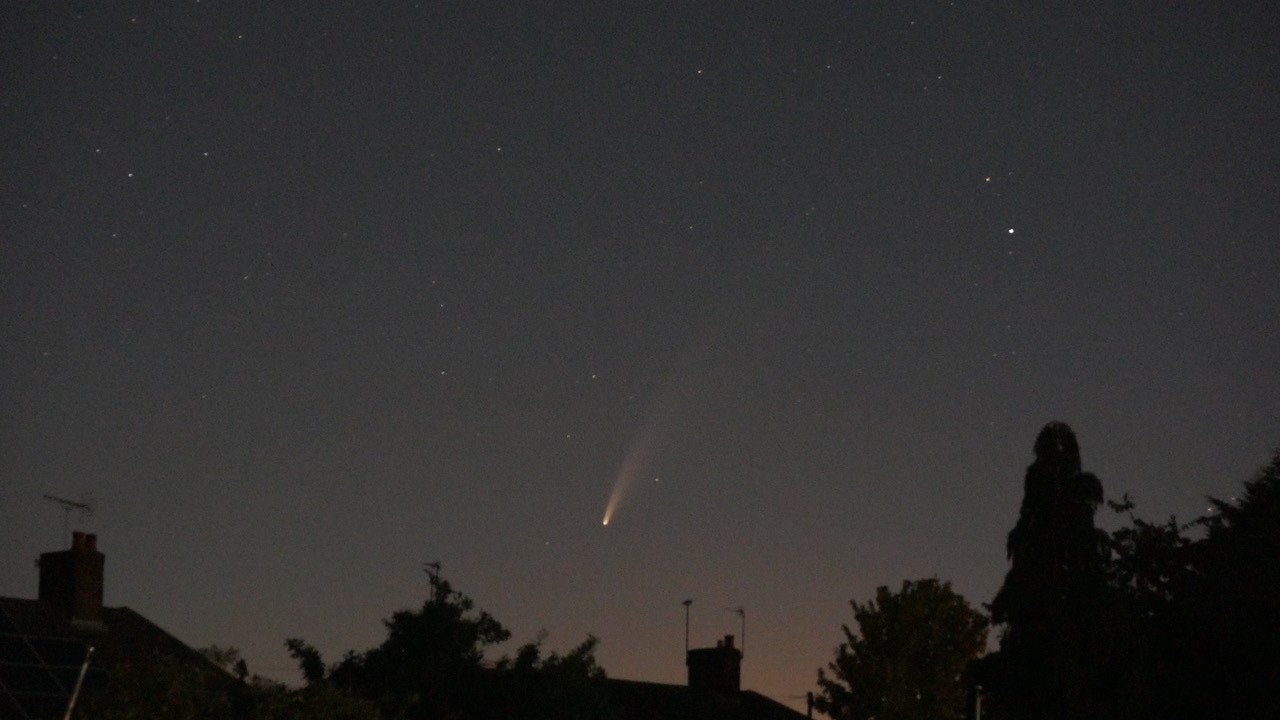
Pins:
x,y
718,668
71,580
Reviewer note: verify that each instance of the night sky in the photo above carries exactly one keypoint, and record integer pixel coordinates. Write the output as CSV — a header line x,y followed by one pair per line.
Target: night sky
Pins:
x,y
306,300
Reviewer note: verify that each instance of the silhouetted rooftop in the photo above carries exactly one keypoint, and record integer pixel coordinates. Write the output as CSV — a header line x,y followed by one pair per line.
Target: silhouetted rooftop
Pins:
x,y
41,652
660,701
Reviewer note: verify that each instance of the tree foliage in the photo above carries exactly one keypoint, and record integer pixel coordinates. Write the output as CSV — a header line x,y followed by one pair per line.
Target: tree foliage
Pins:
x,y
433,664
1163,620
1236,596
908,657
1149,561
1058,648
533,686
1057,555
273,701
1203,608
1220,639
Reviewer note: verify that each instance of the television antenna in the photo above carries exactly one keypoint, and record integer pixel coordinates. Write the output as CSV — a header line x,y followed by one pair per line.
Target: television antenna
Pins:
x,y
432,569
83,507
741,612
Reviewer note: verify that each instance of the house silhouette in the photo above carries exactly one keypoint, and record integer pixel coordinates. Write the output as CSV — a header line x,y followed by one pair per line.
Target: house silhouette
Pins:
x,y
713,692
66,645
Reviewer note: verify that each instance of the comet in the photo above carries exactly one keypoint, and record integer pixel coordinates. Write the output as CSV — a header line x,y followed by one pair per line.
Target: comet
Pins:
x,y
637,456
663,423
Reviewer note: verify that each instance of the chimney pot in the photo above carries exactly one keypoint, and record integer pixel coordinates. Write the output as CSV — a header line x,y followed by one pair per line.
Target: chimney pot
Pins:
x,y
718,669
71,580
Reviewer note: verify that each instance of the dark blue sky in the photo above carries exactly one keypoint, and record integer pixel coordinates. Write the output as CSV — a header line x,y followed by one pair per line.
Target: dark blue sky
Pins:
x,y
307,300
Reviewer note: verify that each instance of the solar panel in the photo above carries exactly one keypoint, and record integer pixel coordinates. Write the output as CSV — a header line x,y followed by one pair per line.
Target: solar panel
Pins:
x,y
38,672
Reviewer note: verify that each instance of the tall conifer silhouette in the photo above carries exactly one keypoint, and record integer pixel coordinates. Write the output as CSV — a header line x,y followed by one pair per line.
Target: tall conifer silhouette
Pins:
x,y
1053,648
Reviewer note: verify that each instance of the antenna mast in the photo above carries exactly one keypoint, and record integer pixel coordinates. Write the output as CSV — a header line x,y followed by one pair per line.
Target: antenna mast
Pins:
x,y
742,614
686,605
85,508
432,569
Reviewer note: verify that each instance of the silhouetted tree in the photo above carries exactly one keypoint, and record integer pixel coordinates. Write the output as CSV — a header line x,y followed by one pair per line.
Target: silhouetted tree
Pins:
x,y
1150,562
257,698
1150,574
274,701
1225,661
1057,659
531,686
432,665
308,658
907,659
1201,639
